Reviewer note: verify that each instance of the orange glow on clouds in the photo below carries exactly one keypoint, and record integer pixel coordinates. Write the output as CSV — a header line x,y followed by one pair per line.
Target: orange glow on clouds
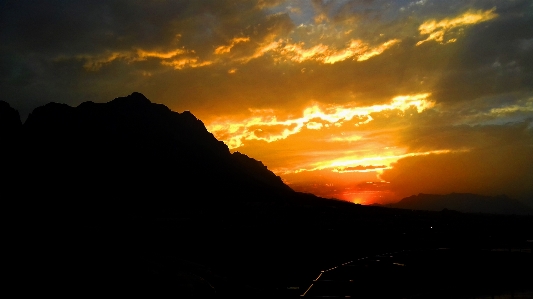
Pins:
x,y
335,142
437,29
347,84
367,163
227,49
356,49
186,62
283,50
264,124
164,55
177,58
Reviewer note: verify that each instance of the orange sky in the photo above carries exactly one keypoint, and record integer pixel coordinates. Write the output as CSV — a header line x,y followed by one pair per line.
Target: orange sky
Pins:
x,y
366,101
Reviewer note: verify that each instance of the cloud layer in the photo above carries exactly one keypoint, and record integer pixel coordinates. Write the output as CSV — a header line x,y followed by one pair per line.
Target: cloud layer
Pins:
x,y
414,96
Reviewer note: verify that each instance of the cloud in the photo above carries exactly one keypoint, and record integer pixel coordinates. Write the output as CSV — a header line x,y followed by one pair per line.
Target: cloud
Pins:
x,y
186,35
437,29
314,125
359,168
346,161
233,42
234,132
346,11
343,138
524,106
179,64
299,85
94,63
356,50
452,130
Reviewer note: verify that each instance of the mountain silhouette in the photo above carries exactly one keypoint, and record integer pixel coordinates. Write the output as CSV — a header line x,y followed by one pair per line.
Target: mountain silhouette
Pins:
x,y
133,155
10,126
463,202
107,189
9,119
10,129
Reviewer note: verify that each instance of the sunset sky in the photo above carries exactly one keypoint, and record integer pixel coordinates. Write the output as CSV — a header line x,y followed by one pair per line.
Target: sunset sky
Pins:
x,y
362,100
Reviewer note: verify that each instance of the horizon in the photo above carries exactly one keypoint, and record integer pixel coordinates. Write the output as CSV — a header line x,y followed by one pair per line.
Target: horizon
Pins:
x,y
363,101
428,200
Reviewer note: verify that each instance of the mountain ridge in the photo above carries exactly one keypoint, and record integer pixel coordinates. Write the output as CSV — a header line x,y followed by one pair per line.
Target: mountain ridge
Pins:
x,y
131,147
463,202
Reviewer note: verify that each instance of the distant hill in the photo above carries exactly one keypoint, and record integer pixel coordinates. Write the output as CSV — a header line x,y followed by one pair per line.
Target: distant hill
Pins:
x,y
464,202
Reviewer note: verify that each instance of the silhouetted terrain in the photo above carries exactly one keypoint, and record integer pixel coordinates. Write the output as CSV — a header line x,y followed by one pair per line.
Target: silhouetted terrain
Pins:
x,y
464,202
128,198
129,149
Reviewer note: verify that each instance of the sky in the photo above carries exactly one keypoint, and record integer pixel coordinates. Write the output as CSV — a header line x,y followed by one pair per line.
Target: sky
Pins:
x,y
367,101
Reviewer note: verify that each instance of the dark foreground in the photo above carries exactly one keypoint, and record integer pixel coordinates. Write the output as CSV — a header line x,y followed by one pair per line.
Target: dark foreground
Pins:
x,y
432,273
265,252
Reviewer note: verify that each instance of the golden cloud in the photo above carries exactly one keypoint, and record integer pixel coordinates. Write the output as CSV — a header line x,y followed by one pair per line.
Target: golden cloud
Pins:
x,y
226,49
364,163
342,138
437,29
526,107
182,63
169,58
95,63
314,125
360,168
234,132
142,54
356,49
279,49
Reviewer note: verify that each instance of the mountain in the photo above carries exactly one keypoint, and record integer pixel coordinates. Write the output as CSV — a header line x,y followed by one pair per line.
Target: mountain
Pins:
x,y
106,193
133,155
464,202
10,129
10,126
9,119
106,189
